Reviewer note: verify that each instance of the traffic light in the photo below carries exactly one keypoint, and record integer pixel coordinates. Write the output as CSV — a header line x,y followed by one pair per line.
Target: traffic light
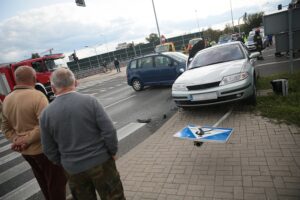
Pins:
x,y
279,7
80,3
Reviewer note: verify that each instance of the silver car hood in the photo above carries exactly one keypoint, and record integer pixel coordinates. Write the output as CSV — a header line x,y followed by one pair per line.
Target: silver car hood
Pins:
x,y
211,73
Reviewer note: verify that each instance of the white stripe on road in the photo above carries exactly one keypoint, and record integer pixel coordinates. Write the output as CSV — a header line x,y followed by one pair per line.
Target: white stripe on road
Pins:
x,y
108,106
14,171
272,63
23,192
3,140
4,148
223,118
128,129
9,157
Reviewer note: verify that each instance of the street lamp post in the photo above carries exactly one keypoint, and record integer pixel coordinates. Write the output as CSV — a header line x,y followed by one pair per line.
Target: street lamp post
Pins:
x,y
231,16
244,17
239,25
156,21
198,22
106,46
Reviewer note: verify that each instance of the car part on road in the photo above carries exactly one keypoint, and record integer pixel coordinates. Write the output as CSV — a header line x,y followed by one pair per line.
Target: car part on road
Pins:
x,y
144,120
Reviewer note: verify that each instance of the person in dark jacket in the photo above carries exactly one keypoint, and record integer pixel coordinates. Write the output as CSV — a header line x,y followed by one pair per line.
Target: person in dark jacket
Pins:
x,y
197,47
258,42
117,65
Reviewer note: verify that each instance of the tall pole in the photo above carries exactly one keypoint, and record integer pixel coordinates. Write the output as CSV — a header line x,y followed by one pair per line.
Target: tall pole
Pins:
x,y
156,21
231,16
97,56
198,22
290,14
106,46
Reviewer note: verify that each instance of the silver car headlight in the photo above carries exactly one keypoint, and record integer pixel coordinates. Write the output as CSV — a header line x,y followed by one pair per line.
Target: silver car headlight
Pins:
x,y
234,78
179,87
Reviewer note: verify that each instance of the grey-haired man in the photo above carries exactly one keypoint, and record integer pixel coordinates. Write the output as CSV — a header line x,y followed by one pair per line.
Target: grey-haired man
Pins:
x,y
77,133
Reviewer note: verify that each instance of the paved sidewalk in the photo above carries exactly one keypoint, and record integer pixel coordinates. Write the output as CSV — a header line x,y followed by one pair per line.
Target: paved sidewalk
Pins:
x,y
104,76
261,160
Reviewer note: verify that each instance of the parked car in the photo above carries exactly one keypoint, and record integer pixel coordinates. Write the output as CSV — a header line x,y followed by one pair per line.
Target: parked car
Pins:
x,y
250,44
250,41
224,39
219,74
155,69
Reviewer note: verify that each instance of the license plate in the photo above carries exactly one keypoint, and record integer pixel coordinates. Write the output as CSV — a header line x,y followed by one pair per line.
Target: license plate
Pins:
x,y
206,96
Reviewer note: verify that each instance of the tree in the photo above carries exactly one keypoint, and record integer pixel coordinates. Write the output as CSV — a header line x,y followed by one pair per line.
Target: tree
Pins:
x,y
213,35
35,55
153,38
252,21
227,29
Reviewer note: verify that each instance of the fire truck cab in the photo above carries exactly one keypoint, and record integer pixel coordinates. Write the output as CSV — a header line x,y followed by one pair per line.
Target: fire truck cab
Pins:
x,y
43,66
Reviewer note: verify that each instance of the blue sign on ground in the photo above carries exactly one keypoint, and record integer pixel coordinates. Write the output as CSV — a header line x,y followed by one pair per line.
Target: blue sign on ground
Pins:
x,y
205,133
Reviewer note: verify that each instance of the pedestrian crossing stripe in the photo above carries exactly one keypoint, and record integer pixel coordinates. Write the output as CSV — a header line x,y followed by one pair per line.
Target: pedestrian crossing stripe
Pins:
x,y
205,133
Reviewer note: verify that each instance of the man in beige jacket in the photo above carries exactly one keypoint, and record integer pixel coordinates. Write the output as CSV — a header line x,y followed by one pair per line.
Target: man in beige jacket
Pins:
x,y
20,125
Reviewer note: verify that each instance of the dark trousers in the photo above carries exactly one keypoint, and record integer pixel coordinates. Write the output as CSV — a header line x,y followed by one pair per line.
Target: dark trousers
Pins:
x,y
118,68
104,178
50,177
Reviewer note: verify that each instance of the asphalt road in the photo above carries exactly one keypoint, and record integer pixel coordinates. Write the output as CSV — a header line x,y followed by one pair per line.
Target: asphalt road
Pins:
x,y
273,65
140,113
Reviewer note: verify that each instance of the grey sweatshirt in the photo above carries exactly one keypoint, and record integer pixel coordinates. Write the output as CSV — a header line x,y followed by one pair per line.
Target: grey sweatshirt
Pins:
x,y
77,133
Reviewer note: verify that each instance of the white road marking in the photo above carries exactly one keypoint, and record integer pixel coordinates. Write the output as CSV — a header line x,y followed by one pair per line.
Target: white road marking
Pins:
x,y
223,118
14,171
24,191
9,157
102,90
31,187
3,140
119,85
272,63
108,106
128,129
4,148
93,94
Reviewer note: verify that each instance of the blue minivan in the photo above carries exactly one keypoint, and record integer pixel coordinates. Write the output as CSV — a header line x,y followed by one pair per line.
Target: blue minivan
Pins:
x,y
155,69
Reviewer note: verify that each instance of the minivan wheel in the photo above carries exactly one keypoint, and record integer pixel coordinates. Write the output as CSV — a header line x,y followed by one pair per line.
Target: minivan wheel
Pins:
x,y
137,85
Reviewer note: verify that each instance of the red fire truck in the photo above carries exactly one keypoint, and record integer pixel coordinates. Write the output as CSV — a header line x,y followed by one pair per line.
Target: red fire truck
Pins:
x,y
43,66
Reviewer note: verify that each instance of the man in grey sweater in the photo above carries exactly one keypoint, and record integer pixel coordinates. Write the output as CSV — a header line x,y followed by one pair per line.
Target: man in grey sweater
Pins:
x,y
77,133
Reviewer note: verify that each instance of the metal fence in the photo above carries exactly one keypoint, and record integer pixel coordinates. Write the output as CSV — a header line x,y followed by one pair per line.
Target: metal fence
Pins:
x,y
87,66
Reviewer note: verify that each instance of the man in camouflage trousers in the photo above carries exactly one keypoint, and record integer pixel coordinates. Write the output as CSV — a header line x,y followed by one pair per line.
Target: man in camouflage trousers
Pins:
x,y
78,134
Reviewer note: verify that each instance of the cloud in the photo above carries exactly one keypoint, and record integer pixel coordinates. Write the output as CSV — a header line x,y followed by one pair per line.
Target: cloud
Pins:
x,y
65,26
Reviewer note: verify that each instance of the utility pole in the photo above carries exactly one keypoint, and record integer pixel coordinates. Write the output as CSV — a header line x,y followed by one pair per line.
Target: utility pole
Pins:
x,y
231,16
156,22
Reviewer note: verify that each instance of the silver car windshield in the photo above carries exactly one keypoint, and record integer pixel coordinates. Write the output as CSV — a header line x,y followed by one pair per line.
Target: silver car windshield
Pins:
x,y
216,55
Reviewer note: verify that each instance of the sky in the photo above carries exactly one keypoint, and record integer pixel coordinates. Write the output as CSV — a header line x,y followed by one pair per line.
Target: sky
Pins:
x,y
34,26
